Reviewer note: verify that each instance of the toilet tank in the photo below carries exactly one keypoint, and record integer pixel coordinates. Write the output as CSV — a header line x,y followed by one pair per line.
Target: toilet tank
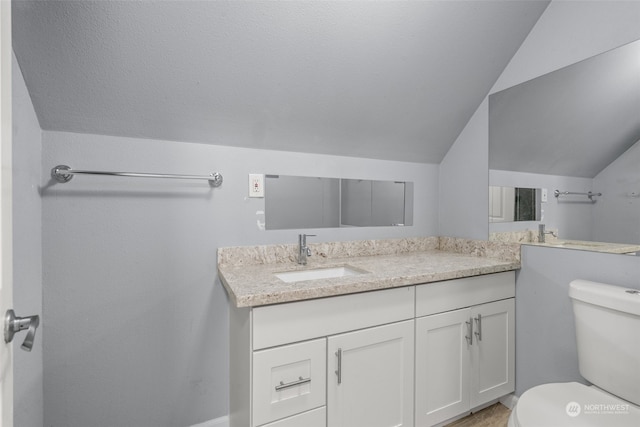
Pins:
x,y
607,322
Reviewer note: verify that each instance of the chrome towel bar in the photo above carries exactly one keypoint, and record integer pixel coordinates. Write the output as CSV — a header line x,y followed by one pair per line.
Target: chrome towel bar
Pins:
x,y
63,173
589,194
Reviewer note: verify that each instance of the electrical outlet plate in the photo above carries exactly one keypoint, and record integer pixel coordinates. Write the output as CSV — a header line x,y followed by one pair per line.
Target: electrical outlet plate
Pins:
x,y
544,195
256,185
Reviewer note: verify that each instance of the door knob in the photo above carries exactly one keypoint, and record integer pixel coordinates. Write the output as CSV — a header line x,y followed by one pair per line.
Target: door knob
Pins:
x,y
13,324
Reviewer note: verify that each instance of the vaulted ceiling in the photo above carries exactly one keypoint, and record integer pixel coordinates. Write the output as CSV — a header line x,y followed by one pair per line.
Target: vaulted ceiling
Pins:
x,y
574,121
391,80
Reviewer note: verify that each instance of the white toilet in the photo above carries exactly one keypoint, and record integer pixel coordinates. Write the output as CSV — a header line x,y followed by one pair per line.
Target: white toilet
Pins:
x,y
608,336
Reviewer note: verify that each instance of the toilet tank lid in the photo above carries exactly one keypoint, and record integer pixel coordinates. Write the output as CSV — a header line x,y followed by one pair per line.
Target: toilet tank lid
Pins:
x,y
614,297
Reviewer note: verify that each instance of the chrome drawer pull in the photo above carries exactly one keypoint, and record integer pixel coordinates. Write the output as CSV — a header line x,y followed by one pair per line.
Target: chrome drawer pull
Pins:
x,y
339,370
300,381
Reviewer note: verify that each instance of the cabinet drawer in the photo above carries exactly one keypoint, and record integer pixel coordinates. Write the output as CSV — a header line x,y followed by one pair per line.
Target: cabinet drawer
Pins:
x,y
449,295
315,418
288,380
303,320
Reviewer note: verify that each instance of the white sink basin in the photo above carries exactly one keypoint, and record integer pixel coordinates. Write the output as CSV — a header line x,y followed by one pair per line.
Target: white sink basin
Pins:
x,y
318,273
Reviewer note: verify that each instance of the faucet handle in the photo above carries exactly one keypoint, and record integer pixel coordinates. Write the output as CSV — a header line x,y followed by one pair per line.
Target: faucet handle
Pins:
x,y
302,238
309,250
303,249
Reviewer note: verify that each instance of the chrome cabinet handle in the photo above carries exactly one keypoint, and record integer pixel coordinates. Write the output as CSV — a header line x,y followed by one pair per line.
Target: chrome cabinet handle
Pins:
x,y
469,335
339,370
13,324
299,381
479,324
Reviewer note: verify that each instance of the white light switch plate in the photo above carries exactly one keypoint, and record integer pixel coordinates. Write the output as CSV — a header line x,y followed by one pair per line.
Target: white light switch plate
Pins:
x,y
256,185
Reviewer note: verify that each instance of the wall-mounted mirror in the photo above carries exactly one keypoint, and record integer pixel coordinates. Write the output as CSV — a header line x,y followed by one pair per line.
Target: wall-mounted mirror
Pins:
x,y
575,130
511,204
315,202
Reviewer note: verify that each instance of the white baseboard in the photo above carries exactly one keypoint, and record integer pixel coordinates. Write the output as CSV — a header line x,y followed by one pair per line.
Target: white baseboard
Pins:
x,y
217,422
509,401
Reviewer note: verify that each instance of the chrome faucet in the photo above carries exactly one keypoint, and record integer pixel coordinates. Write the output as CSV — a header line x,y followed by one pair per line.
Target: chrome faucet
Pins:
x,y
542,233
303,251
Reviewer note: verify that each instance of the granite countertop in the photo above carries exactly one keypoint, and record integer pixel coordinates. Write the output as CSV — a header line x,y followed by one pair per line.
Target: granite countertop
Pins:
x,y
612,248
250,281
530,237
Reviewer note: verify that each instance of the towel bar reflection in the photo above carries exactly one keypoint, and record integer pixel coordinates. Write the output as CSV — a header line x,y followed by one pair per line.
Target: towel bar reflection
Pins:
x,y
589,194
63,173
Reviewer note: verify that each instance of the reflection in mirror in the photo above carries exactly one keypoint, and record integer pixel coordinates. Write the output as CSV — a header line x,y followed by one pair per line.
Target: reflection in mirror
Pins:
x,y
372,203
577,130
509,204
301,202
311,202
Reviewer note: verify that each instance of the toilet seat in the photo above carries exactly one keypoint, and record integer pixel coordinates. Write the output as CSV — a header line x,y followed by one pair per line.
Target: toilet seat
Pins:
x,y
572,404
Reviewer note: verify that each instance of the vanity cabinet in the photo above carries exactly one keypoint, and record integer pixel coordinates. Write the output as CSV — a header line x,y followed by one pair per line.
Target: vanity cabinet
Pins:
x,y
465,346
355,360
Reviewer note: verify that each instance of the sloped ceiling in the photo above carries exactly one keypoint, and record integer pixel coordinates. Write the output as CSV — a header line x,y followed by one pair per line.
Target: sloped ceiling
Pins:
x,y
573,122
390,80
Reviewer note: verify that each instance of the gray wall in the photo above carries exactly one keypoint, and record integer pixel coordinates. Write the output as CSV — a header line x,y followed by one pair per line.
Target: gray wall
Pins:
x,y
464,182
545,331
617,217
137,330
27,253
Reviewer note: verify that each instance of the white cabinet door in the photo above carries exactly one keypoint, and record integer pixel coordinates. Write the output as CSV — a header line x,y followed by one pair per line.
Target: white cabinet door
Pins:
x,y
493,351
370,377
464,358
442,366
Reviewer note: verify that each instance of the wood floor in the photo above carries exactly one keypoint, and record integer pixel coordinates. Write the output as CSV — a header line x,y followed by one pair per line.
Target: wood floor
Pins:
x,y
493,416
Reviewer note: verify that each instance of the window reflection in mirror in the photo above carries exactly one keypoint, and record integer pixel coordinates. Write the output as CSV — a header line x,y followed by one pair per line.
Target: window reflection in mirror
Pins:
x,y
510,204
314,202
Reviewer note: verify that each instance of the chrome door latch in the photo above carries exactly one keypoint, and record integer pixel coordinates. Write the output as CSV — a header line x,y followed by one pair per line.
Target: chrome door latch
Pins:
x,y
13,324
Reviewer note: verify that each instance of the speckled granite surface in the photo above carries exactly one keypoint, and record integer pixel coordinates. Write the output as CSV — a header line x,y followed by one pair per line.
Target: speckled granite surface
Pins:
x,y
276,254
581,245
522,236
530,237
248,273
